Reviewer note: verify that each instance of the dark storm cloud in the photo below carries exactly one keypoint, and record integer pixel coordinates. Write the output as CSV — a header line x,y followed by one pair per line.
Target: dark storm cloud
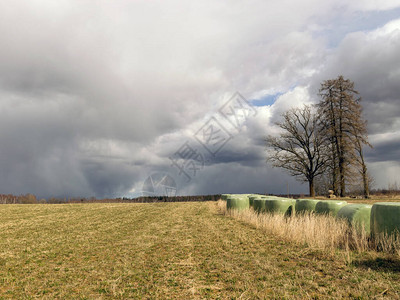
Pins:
x,y
235,179
388,151
109,177
95,97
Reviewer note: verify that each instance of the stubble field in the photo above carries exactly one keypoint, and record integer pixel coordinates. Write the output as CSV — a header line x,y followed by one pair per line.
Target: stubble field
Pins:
x,y
172,251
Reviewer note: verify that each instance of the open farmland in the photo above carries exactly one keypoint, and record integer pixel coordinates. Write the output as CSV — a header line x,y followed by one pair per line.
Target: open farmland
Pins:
x,y
171,251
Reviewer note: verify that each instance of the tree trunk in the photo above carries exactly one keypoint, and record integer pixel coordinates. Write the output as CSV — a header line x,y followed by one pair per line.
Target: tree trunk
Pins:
x,y
334,169
311,187
342,181
365,182
364,171
341,147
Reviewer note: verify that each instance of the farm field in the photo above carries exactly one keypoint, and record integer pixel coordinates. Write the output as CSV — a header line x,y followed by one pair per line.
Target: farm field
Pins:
x,y
171,251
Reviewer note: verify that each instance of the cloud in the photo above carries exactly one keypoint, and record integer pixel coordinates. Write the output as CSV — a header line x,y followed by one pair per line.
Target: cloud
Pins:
x,y
370,60
234,178
385,173
95,97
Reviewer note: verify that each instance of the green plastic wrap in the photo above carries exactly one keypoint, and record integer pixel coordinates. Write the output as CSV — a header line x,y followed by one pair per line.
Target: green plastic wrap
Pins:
x,y
330,207
305,205
279,205
385,218
238,202
357,215
252,197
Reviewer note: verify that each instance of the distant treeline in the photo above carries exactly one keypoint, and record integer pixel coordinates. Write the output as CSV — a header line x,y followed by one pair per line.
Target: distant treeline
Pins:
x,y
149,199
22,199
31,199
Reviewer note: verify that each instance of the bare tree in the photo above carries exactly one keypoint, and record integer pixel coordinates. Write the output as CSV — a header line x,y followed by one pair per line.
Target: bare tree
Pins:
x,y
300,147
362,168
343,128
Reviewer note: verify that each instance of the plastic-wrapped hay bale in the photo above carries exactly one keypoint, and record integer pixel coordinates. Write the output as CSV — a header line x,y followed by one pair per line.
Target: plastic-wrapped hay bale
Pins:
x,y
358,215
330,207
237,202
259,204
305,205
227,196
385,218
279,205
276,197
253,197
237,195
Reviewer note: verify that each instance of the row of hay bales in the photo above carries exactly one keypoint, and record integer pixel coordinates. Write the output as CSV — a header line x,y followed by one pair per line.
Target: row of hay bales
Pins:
x,y
381,217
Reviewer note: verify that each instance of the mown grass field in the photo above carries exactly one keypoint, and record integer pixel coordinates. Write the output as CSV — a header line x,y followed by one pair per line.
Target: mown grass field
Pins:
x,y
171,251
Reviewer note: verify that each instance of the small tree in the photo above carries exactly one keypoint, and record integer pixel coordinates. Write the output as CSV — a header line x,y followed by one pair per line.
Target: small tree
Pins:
x,y
27,199
362,168
300,148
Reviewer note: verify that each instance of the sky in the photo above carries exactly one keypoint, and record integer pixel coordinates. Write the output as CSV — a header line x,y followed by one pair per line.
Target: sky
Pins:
x,y
101,98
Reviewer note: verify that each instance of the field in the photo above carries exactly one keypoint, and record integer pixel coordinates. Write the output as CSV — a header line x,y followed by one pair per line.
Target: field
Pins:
x,y
172,251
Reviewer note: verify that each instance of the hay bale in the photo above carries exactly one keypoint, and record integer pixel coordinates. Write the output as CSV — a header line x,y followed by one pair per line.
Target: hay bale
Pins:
x,y
357,215
330,207
305,205
279,205
252,197
237,202
226,196
385,218
259,204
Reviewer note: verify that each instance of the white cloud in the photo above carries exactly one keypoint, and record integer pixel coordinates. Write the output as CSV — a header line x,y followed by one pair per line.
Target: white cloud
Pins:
x,y
297,97
373,5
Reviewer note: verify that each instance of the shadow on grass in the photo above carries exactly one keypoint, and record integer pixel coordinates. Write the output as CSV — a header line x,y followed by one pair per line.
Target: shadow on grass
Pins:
x,y
379,264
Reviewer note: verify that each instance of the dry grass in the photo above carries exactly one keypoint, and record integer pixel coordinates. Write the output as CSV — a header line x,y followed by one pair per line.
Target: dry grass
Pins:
x,y
321,232
170,251
386,243
316,231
